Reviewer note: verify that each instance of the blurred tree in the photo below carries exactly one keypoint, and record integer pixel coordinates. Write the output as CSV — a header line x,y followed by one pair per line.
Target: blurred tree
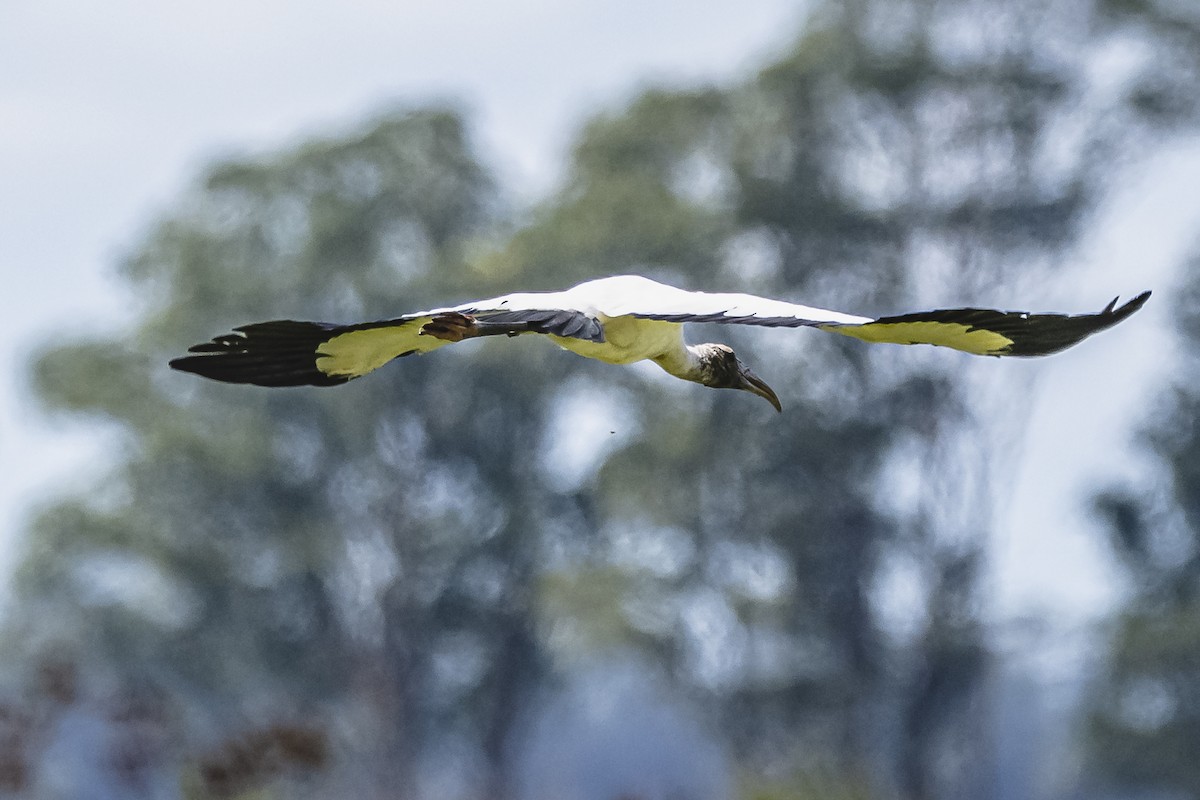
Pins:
x,y
363,580
262,557
819,574
1144,726
1161,94
1145,720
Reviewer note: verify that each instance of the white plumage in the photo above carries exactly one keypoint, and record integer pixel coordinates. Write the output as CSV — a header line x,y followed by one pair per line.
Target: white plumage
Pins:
x,y
618,320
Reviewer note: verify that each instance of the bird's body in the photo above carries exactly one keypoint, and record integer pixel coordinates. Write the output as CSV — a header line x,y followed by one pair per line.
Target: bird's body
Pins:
x,y
627,340
617,320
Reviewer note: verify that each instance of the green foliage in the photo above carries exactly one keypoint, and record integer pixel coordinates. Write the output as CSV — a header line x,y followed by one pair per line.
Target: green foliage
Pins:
x,y
817,784
257,552
797,653
400,561
1145,714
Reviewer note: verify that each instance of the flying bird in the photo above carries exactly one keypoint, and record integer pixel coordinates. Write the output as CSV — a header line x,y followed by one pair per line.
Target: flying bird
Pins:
x,y
618,320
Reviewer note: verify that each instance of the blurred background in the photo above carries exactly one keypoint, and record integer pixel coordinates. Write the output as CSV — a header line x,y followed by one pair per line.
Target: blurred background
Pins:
x,y
505,572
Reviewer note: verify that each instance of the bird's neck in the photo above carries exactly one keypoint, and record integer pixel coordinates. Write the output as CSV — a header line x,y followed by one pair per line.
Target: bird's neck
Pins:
x,y
686,362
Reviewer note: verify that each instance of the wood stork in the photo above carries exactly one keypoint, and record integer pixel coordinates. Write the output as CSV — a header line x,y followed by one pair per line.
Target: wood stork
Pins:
x,y
618,320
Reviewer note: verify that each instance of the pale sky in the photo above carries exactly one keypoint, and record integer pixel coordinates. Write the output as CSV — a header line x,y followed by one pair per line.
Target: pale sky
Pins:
x,y
108,110
1089,402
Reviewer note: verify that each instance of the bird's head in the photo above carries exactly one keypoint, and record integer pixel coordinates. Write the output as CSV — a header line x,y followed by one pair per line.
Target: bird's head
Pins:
x,y
721,369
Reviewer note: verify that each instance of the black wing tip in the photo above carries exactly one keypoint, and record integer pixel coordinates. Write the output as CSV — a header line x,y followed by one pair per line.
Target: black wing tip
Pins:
x,y
225,370
1053,333
276,354
1130,307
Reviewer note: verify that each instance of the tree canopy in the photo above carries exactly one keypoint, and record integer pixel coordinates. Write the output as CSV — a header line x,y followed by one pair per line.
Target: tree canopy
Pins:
x,y
363,588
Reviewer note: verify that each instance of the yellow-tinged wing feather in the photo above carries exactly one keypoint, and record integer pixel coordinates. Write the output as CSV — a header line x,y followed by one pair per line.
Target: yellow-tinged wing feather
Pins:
x,y
957,335
357,352
292,353
987,332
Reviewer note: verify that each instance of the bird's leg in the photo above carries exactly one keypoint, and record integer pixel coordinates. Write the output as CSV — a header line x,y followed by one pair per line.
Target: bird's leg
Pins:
x,y
451,326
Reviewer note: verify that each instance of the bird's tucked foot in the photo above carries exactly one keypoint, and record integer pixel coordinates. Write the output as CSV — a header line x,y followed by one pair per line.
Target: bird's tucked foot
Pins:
x,y
451,326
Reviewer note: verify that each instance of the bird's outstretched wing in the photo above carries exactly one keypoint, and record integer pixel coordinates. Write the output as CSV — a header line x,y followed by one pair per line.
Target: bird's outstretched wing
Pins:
x,y
973,330
292,353
992,333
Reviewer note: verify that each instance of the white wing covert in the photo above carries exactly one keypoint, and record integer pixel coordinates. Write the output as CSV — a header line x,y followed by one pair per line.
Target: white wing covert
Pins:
x,y
979,331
